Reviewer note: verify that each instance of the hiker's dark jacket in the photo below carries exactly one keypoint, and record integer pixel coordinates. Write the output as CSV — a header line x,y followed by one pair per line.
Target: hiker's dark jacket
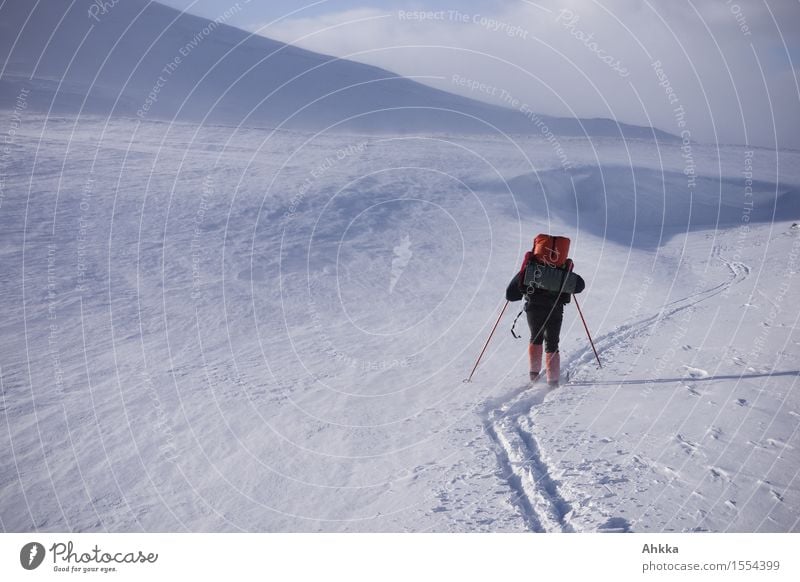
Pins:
x,y
535,297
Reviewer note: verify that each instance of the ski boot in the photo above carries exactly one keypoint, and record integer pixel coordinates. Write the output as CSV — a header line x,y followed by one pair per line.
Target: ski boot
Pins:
x,y
535,359
552,364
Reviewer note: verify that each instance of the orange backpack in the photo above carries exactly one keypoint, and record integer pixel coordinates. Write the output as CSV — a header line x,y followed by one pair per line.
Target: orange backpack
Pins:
x,y
551,250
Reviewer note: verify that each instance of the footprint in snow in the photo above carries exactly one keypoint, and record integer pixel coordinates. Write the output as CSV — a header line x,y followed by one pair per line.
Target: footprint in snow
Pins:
x,y
718,473
615,525
692,390
688,446
696,372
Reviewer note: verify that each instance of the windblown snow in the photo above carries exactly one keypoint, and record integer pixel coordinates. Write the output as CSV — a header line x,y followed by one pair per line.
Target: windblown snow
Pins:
x,y
217,329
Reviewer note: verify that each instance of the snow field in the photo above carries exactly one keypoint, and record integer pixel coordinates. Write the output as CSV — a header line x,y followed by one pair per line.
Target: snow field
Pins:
x,y
210,329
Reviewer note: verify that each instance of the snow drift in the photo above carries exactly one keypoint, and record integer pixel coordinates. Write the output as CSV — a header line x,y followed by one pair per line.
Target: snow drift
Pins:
x,y
216,330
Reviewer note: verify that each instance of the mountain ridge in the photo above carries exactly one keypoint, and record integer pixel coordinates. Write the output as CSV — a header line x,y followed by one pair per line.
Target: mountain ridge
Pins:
x,y
150,60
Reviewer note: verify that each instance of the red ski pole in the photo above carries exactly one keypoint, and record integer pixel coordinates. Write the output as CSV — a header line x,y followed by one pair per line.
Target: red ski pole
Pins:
x,y
587,331
496,323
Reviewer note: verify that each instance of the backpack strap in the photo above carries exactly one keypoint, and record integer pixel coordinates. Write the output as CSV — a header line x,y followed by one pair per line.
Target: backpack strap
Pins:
x,y
525,261
513,325
554,248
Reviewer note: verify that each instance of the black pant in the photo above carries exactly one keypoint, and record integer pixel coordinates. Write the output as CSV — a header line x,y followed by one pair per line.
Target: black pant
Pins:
x,y
544,320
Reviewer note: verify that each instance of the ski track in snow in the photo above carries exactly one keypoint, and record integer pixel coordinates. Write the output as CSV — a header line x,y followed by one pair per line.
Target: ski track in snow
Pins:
x,y
536,494
622,336
521,465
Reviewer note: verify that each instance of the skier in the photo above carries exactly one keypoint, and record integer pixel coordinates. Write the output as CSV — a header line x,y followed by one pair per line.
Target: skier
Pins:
x,y
544,301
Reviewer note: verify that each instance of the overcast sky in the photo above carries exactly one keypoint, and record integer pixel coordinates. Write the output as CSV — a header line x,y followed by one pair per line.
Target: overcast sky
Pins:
x,y
728,70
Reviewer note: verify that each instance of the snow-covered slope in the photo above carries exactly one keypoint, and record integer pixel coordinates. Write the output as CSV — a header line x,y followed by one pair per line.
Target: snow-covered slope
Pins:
x,y
210,329
692,423
141,58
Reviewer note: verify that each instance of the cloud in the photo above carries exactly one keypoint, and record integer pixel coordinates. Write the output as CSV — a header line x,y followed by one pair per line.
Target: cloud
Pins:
x,y
593,59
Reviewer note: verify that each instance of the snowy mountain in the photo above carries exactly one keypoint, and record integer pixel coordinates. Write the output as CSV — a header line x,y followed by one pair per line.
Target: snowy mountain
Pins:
x,y
214,326
217,330
143,58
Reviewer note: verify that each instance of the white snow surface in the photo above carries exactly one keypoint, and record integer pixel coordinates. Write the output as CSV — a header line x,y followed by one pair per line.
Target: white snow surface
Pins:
x,y
218,329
